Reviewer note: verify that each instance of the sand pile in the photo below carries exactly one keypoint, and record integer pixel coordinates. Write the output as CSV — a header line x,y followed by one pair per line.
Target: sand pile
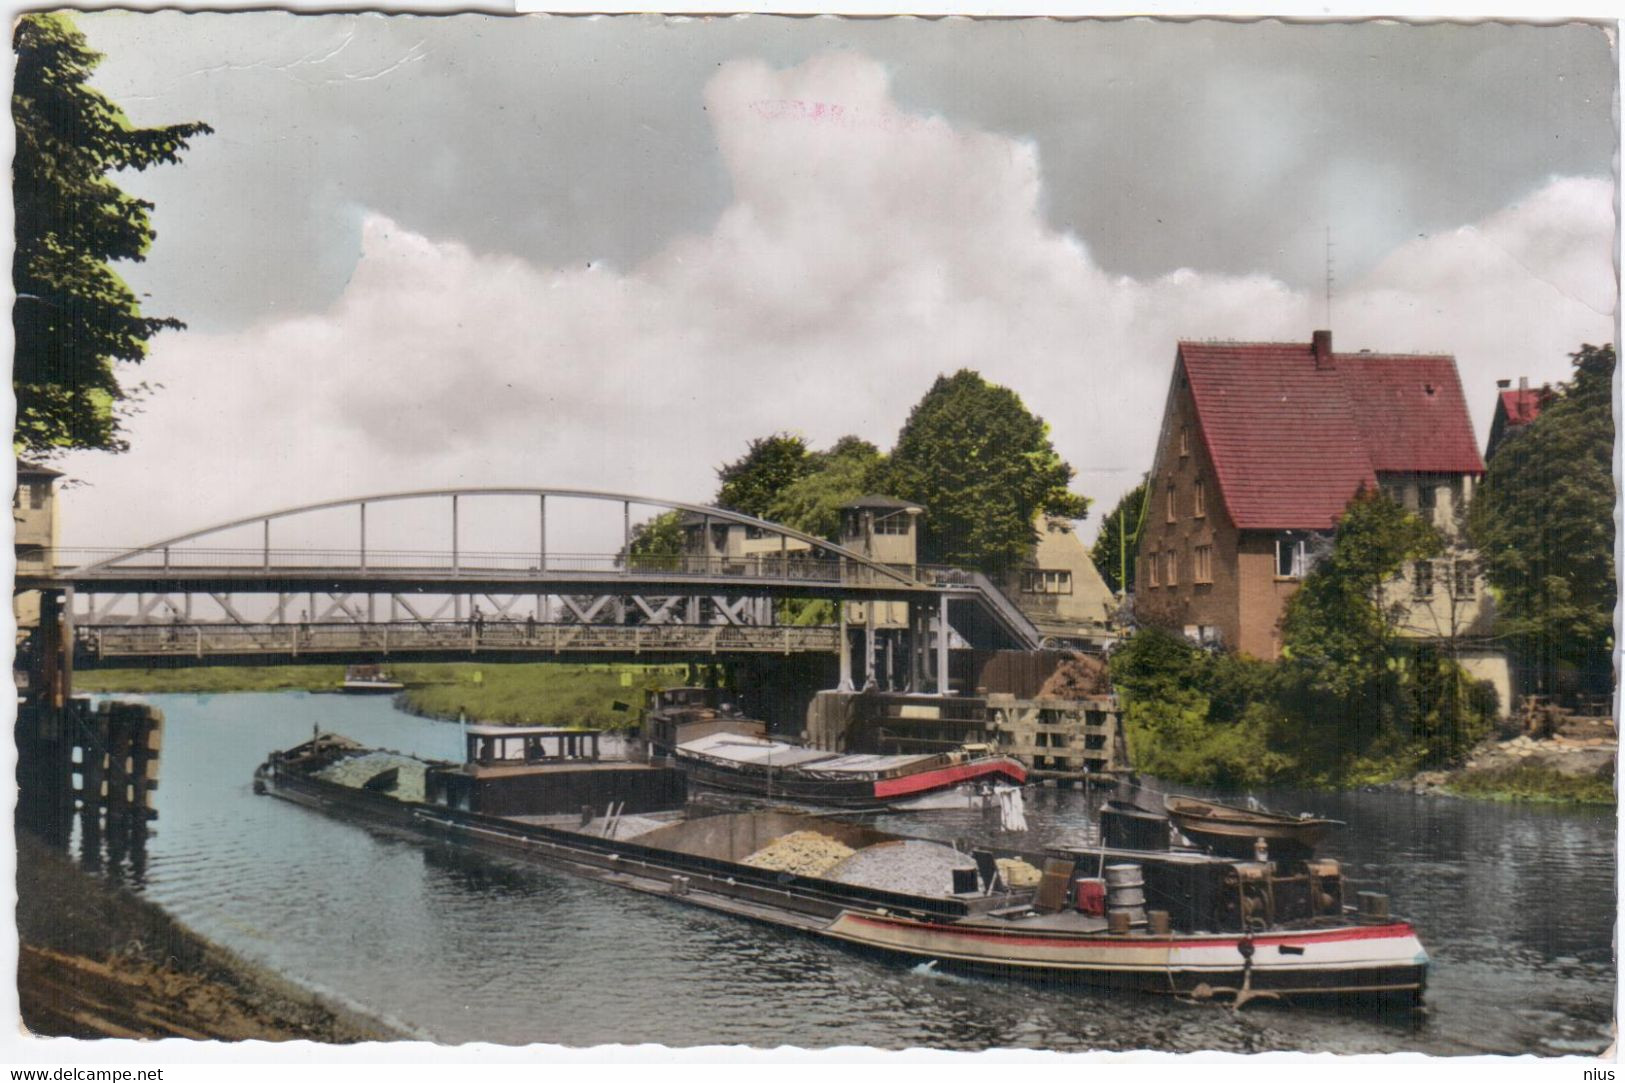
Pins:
x,y
1017,873
357,771
805,853
1077,676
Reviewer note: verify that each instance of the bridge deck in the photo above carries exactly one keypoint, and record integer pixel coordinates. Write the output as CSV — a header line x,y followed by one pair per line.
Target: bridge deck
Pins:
x,y
175,643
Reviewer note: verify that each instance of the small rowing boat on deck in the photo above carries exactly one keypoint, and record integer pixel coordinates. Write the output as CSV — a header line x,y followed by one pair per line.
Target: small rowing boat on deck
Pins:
x,y
1234,831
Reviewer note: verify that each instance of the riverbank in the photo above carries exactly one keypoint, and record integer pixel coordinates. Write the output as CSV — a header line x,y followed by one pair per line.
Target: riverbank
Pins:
x,y
1576,767
517,693
95,961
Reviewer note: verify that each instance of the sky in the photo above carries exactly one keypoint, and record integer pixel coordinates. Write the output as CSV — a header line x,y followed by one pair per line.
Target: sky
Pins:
x,y
607,252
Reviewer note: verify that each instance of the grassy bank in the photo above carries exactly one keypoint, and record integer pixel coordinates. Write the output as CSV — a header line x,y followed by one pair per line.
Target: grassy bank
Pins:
x,y
1533,782
533,693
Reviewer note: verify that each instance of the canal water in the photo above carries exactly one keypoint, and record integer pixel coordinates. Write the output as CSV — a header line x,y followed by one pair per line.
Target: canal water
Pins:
x,y
1515,903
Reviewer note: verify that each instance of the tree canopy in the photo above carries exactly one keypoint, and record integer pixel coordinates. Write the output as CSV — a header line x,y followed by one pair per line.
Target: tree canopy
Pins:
x,y
771,464
1341,623
813,502
983,468
74,316
1119,541
1543,521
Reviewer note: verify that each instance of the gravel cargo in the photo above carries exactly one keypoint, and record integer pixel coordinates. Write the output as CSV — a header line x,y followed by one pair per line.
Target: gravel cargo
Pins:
x,y
912,866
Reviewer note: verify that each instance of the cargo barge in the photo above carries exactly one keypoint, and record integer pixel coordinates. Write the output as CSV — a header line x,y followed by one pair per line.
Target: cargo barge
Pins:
x,y
1154,919
716,747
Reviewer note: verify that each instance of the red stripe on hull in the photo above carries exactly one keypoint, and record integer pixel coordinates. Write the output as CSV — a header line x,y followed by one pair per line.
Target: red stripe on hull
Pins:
x,y
943,777
1373,932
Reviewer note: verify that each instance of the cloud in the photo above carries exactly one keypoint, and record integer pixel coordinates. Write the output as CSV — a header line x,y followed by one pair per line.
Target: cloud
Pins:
x,y
866,249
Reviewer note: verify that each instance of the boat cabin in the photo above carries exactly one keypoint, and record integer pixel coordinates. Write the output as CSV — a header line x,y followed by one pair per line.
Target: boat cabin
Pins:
x,y
492,746
547,770
677,716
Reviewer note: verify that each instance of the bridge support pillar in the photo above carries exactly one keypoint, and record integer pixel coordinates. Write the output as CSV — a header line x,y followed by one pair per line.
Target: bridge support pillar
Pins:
x,y
869,645
942,646
846,651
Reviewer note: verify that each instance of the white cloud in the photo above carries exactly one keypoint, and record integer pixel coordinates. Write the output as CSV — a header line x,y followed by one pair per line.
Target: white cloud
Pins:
x,y
866,250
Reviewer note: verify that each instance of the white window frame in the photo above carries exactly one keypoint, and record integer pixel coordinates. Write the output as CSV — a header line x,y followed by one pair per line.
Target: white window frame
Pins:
x,y
1299,561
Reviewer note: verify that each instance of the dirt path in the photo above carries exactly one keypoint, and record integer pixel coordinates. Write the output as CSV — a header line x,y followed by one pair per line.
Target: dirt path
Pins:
x,y
98,962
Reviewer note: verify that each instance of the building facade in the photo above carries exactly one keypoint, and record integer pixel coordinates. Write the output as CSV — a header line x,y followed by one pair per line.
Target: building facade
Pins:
x,y
1262,446
1060,589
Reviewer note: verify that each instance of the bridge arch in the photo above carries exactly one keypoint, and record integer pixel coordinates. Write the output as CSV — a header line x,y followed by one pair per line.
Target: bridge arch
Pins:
x,y
880,572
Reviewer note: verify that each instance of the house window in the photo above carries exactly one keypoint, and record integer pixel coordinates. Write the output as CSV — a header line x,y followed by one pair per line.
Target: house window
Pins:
x,y
1046,581
1289,558
1203,571
1170,500
895,523
1173,568
1466,578
1427,498
1153,567
1200,499
755,533
1422,579
1184,441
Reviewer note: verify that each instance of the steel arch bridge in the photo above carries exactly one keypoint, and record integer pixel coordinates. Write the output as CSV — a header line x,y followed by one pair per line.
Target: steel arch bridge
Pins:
x,y
191,599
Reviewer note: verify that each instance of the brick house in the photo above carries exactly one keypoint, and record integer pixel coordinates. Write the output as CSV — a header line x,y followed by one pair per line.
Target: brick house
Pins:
x,y
1262,446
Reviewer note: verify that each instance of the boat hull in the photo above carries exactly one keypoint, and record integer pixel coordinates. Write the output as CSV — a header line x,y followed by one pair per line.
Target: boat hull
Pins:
x,y
1385,959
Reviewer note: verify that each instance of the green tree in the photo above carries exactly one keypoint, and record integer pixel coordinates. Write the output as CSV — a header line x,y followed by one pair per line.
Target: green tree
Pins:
x,y
770,465
1543,521
1342,623
813,502
1119,541
657,544
982,467
75,317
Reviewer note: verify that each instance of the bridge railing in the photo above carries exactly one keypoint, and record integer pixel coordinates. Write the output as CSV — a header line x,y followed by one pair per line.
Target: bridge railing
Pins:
x,y
407,637
792,566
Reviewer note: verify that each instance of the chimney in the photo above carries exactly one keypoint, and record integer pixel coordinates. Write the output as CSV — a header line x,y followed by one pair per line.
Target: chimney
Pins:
x,y
1323,349
1503,384
1523,383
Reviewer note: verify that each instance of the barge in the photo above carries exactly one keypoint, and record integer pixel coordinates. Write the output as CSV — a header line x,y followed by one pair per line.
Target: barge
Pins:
x,y
1157,920
697,731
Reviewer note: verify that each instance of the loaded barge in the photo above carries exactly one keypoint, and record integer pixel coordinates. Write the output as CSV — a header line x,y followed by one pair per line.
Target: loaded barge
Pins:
x,y
716,747
1129,913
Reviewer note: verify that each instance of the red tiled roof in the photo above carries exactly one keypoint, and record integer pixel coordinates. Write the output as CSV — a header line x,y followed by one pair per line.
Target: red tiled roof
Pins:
x,y
1292,442
1522,406
1412,412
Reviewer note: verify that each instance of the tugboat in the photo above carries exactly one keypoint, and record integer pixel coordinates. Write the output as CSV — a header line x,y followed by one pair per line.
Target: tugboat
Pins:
x,y
1128,912
699,731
